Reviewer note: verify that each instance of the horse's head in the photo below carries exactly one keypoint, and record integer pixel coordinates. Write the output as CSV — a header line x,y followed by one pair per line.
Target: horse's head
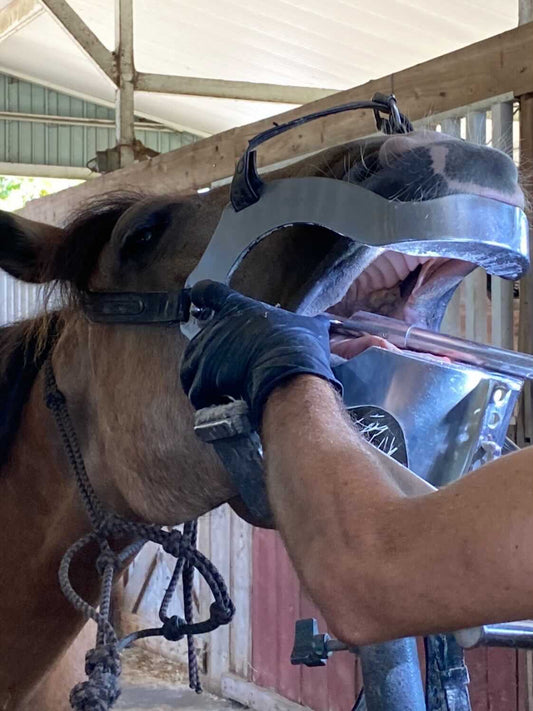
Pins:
x,y
122,381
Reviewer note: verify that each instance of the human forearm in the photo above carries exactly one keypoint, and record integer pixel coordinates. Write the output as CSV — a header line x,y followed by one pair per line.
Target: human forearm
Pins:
x,y
329,492
378,563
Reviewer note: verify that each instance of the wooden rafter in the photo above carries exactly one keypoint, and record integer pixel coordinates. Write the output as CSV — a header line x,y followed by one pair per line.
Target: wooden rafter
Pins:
x,y
222,89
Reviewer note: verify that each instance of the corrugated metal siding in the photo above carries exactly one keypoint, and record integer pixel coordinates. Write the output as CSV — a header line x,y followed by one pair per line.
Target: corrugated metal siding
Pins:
x,y
18,300
46,144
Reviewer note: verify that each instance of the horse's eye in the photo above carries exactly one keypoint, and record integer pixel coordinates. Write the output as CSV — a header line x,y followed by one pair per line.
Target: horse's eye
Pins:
x,y
141,237
138,242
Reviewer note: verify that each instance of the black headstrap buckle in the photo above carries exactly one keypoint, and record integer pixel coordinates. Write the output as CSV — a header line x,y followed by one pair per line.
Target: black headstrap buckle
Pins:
x,y
137,307
247,185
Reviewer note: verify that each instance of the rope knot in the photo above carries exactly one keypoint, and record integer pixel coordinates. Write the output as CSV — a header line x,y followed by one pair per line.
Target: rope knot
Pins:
x,y
54,399
173,543
221,615
172,628
101,690
104,659
95,694
107,557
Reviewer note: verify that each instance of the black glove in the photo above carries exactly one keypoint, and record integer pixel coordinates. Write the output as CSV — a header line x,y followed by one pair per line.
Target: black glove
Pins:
x,y
248,348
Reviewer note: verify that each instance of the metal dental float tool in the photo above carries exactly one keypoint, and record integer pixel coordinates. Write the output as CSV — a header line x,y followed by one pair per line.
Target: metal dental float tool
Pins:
x,y
412,338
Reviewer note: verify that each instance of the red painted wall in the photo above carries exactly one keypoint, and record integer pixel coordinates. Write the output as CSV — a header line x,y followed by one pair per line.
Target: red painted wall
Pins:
x,y
277,602
498,679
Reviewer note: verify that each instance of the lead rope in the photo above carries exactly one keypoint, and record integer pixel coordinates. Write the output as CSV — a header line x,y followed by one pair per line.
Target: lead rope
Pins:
x,y
102,663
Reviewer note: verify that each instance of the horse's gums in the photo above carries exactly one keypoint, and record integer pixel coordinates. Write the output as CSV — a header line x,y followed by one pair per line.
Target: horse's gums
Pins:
x,y
123,392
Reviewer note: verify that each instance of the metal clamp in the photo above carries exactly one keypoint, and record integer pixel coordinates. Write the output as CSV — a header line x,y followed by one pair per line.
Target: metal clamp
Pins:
x,y
312,648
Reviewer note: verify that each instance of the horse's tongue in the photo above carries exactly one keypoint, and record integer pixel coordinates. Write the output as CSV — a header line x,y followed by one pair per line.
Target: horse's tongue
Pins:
x,y
351,347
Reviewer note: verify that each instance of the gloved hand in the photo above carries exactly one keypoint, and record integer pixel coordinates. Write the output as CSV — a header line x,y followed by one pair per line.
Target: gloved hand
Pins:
x,y
249,348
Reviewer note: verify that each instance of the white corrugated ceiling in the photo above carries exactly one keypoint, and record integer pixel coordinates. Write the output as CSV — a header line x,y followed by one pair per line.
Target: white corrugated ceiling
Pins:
x,y
322,43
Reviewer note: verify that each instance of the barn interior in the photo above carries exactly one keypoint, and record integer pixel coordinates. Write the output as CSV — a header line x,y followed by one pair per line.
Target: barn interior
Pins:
x,y
163,97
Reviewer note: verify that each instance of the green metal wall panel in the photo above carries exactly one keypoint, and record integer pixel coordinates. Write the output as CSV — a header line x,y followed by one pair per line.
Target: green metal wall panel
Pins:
x,y
40,143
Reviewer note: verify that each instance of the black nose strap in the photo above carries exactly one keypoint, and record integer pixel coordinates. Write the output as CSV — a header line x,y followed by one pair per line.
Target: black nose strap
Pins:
x,y
170,307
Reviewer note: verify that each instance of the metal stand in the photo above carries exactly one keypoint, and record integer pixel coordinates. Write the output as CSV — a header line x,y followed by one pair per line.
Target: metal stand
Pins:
x,y
391,675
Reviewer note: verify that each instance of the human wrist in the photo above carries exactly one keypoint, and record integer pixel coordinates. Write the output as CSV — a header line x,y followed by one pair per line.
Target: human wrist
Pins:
x,y
297,391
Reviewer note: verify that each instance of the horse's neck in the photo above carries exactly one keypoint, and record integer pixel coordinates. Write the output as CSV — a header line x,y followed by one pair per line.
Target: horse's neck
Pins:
x,y
41,516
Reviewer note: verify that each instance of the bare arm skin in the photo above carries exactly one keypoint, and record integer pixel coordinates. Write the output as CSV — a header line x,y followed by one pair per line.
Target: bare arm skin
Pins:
x,y
384,559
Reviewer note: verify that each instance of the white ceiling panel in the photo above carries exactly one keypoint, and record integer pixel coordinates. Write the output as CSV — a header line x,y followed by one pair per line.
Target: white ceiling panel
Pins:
x,y
335,44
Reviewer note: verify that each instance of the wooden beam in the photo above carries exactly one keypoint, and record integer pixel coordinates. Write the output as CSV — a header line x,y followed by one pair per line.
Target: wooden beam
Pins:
x,y
124,96
16,15
87,40
255,697
222,89
501,65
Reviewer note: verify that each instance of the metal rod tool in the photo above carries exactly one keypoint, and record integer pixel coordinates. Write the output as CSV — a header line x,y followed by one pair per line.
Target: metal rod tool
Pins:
x,y
407,337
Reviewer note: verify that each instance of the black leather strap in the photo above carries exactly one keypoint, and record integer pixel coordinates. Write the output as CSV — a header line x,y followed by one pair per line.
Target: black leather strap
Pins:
x,y
246,185
137,307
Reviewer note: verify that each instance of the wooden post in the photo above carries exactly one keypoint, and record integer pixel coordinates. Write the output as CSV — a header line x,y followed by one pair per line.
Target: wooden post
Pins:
x,y
241,591
124,103
525,332
525,11
525,336
502,313
452,318
218,656
475,284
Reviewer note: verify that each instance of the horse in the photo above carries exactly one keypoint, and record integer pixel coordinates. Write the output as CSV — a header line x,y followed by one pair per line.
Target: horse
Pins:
x,y
121,382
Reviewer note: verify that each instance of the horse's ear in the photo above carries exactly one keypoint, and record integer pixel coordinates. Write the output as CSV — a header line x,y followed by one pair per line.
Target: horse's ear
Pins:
x,y
27,247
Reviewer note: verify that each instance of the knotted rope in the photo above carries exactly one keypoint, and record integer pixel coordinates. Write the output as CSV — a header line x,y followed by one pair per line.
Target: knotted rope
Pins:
x,y
102,663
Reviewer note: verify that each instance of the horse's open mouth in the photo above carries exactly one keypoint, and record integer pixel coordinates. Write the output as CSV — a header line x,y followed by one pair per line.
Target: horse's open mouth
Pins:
x,y
413,289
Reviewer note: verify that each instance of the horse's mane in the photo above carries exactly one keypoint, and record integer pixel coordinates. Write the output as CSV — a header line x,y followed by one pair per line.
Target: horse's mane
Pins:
x,y
23,348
